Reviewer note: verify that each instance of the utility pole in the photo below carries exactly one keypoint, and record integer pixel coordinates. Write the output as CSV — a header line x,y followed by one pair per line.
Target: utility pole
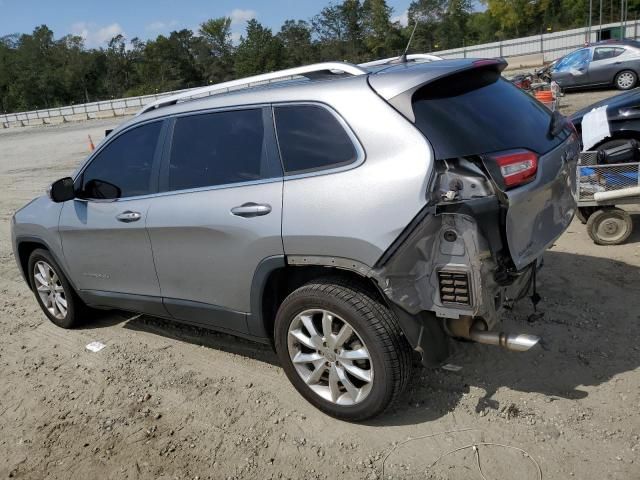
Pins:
x,y
621,19
600,23
589,27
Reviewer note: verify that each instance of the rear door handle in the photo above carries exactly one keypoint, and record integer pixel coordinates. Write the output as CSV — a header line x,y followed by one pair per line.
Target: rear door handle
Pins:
x,y
129,216
251,209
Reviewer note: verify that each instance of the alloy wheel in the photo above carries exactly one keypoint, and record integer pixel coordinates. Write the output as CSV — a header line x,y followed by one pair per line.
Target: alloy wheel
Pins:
x,y
50,289
330,357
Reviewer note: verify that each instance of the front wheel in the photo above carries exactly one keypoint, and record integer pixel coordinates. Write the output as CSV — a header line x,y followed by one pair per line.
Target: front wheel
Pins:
x,y
52,290
626,80
342,349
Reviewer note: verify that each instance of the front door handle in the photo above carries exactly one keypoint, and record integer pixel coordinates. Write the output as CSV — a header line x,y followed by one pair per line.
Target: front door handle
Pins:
x,y
251,209
129,216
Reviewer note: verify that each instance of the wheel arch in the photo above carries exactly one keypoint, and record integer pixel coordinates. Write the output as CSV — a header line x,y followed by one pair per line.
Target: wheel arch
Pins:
x,y
25,246
620,134
276,278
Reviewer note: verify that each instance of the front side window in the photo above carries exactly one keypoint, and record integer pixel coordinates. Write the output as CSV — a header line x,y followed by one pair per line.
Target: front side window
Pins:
x,y
573,61
217,149
123,167
311,138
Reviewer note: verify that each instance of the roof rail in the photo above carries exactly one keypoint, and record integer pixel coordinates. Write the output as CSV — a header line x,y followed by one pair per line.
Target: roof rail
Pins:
x,y
413,57
289,74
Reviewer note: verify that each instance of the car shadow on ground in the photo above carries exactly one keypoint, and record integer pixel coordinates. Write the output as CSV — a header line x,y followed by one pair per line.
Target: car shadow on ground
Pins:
x,y
175,330
203,337
590,329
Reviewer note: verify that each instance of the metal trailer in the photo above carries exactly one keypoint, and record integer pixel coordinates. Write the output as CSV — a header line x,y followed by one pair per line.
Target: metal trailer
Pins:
x,y
601,189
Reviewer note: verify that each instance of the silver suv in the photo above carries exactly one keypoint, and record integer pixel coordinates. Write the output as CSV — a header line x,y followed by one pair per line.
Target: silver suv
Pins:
x,y
352,216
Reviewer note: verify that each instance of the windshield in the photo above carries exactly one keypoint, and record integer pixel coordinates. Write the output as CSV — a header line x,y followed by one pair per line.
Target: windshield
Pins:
x,y
479,112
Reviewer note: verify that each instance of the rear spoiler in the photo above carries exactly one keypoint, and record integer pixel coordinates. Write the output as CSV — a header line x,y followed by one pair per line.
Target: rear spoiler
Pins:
x,y
397,85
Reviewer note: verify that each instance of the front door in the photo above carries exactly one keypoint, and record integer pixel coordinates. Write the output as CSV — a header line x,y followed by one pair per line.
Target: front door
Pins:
x,y
572,70
219,215
103,232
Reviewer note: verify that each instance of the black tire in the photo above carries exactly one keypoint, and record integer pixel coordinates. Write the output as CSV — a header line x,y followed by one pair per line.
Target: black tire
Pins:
x,y
374,324
625,80
583,214
75,310
609,226
611,143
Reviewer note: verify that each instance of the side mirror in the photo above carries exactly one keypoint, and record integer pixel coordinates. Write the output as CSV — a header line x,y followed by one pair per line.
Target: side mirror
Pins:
x,y
62,190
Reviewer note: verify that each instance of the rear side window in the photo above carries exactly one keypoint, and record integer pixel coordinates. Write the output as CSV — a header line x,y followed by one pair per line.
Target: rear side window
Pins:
x,y
218,149
602,53
123,167
477,112
311,138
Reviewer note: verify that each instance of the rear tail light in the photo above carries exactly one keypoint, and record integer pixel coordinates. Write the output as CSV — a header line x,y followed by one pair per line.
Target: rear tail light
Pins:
x,y
517,167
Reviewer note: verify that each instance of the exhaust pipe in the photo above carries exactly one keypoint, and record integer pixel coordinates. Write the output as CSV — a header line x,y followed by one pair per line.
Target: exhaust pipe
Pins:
x,y
516,342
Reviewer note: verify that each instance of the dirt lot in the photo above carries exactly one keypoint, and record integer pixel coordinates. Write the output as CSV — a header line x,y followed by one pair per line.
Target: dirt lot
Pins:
x,y
167,401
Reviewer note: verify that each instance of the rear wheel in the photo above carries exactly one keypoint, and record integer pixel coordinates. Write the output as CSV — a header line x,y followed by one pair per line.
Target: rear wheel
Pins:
x,y
342,349
609,226
626,80
52,290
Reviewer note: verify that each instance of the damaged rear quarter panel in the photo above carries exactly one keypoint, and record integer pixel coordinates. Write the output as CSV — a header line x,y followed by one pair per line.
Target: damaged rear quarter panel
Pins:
x,y
410,277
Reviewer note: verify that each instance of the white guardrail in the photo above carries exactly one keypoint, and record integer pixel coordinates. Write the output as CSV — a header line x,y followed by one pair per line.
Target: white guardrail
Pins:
x,y
83,111
550,45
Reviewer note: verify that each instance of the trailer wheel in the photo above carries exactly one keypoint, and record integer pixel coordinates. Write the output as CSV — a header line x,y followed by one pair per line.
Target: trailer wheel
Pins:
x,y
583,213
609,226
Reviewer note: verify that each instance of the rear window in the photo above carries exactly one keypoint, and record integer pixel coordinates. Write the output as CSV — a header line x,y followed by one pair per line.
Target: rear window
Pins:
x,y
311,139
477,112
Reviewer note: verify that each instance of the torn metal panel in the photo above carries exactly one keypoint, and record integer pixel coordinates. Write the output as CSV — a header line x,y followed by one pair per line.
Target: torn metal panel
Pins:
x,y
442,243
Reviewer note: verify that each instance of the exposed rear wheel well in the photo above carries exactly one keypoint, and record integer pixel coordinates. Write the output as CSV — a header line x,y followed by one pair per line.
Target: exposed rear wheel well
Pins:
x,y
25,249
619,135
283,281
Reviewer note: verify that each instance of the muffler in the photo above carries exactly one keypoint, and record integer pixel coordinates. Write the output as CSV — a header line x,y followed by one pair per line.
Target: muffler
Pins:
x,y
476,330
516,342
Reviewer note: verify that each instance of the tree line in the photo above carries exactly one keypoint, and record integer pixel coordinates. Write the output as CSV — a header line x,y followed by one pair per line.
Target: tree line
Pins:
x,y
39,71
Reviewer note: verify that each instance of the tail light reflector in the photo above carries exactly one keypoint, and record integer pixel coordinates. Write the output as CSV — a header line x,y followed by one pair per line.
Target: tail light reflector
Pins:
x,y
517,167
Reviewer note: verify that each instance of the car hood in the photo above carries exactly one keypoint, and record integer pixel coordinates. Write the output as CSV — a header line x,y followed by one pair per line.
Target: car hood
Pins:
x,y
614,104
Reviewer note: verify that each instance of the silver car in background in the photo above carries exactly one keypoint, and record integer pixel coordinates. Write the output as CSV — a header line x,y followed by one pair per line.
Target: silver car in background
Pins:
x,y
351,216
607,63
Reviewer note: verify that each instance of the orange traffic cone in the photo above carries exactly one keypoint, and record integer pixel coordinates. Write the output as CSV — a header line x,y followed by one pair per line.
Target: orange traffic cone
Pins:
x,y
92,147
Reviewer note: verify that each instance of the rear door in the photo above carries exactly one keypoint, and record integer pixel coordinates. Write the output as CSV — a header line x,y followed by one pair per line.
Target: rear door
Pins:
x,y
218,214
607,61
103,231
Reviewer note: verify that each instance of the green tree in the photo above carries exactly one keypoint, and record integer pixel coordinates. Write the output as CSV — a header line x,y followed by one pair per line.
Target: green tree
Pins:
x,y
382,38
259,51
218,62
298,48
170,63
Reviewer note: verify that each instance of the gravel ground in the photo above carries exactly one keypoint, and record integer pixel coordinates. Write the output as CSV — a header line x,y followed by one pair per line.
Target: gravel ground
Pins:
x,y
167,401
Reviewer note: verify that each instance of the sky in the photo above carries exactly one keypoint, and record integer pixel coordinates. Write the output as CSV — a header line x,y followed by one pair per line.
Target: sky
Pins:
x,y
98,21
